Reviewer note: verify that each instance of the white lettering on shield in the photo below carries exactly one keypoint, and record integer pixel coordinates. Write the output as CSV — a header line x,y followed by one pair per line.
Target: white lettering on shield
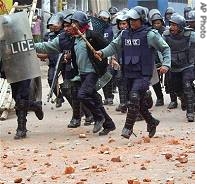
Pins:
x,y
22,46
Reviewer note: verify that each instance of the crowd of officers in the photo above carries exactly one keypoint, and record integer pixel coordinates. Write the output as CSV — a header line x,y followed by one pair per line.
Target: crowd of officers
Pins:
x,y
136,46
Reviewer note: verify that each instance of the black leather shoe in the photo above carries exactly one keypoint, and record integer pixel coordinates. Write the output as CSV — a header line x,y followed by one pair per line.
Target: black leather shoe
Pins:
x,y
159,102
105,131
88,120
151,127
172,105
98,125
74,123
126,133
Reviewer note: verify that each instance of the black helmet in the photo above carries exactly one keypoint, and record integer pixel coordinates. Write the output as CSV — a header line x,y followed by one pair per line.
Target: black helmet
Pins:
x,y
179,20
138,12
113,10
154,14
190,16
81,17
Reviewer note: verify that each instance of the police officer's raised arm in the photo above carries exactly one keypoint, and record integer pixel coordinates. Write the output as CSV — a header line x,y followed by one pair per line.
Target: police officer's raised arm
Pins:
x,y
113,48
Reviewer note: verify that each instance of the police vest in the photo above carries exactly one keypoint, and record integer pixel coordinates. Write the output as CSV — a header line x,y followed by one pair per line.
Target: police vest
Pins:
x,y
138,57
108,33
180,47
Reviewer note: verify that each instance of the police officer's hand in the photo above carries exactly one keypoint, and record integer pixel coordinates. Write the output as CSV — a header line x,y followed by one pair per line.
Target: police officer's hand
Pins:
x,y
42,57
115,65
98,54
163,69
67,56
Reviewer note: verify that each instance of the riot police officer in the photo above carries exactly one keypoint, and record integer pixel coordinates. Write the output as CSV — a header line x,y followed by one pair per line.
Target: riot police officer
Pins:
x,y
190,19
108,35
20,66
138,44
167,16
56,21
122,24
87,93
182,44
156,20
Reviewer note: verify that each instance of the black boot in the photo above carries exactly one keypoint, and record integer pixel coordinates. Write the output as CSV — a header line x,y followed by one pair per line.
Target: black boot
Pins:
x,y
74,123
151,126
158,91
159,102
121,108
190,117
152,123
130,121
148,99
21,129
189,96
59,101
123,95
37,108
173,104
183,103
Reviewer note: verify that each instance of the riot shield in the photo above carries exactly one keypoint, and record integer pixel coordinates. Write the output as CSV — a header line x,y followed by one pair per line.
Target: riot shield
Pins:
x,y
19,57
103,80
98,24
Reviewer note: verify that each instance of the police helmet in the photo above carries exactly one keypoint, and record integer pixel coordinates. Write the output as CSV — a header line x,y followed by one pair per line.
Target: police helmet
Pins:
x,y
191,16
68,16
48,25
81,17
104,13
56,19
154,14
121,17
138,12
67,12
113,10
169,10
179,20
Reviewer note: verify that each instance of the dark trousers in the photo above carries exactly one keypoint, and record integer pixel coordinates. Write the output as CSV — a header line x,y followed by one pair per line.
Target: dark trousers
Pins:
x,y
88,95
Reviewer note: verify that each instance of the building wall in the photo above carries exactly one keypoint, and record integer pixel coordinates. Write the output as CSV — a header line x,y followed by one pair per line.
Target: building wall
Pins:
x,y
178,7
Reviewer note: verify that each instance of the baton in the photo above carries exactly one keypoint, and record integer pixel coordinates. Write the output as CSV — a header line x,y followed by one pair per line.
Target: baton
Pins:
x,y
86,41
